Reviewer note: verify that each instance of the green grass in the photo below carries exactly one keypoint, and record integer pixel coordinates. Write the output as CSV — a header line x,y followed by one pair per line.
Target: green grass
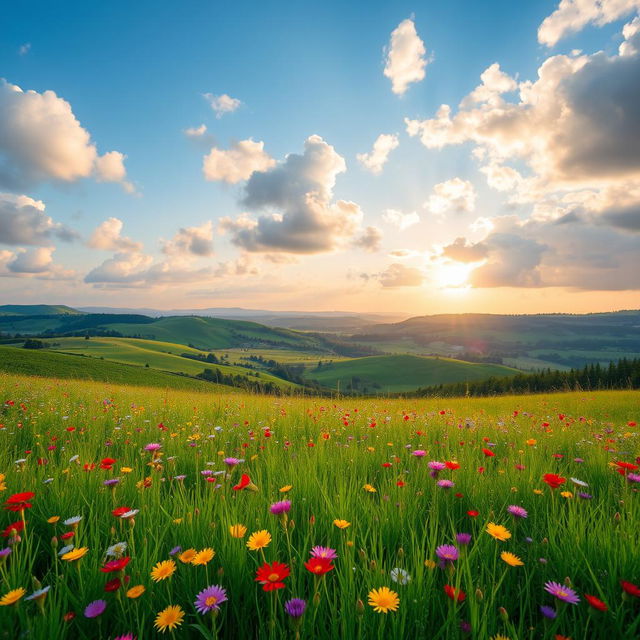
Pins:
x,y
590,543
403,372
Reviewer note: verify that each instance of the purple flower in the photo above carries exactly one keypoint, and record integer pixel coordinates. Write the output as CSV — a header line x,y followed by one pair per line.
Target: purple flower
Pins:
x,y
175,550
463,538
95,609
111,482
584,495
517,511
179,478
324,552
465,626
548,612
295,607
562,592
447,552
445,484
153,446
5,552
633,477
232,462
434,465
278,508
126,636
419,453
210,599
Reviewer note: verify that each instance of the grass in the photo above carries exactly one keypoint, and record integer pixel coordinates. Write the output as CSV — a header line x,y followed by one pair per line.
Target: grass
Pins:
x,y
402,372
590,543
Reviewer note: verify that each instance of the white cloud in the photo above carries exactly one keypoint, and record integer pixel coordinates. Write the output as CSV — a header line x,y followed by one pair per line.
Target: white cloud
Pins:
x,y
110,168
34,263
41,139
572,15
453,195
24,49
107,236
405,57
237,163
378,156
222,104
370,240
195,241
400,220
495,82
196,132
400,275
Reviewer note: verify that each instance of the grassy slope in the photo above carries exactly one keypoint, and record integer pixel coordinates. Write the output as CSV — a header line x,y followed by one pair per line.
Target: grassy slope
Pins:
x,y
38,310
404,372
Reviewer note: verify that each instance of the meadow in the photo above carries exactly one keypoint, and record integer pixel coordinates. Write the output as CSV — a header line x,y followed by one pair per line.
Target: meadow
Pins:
x,y
149,512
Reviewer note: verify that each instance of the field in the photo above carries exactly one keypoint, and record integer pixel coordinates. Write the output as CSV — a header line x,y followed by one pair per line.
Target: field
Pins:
x,y
126,478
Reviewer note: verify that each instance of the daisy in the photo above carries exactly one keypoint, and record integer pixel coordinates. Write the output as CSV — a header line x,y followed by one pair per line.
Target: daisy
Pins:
x,y
203,557
169,618
400,576
498,532
163,570
562,592
259,540
324,552
271,576
11,597
384,600
511,559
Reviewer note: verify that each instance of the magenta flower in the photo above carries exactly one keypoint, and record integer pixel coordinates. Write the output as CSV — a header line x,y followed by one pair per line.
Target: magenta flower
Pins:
x,y
95,608
445,484
419,453
447,553
278,508
633,477
210,599
434,465
463,538
324,552
232,462
295,607
562,592
153,446
517,511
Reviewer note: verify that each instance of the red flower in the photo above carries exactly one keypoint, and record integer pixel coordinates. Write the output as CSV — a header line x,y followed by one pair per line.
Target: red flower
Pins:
x,y
386,465
244,481
596,603
271,576
488,453
473,514
452,465
19,501
69,616
107,463
625,466
458,595
115,565
553,480
319,566
66,536
112,585
630,588
400,483
12,529
120,511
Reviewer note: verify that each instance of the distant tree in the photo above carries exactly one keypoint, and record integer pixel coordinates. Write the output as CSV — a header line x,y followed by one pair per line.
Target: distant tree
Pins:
x,y
30,343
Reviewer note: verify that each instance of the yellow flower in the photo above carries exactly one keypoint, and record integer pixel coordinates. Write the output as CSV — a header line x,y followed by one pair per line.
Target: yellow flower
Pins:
x,y
126,469
511,559
498,532
136,592
538,492
566,494
532,442
177,520
163,570
383,600
430,564
75,554
253,457
53,519
169,618
3,486
341,524
259,540
237,530
371,449
286,488
203,557
11,597
500,637
186,557
369,488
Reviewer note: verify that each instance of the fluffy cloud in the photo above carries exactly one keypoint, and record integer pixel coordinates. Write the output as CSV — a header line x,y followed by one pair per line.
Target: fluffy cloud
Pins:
x,y
453,195
107,237
32,263
370,240
405,61
400,220
124,267
572,15
41,139
196,132
222,104
460,251
297,197
378,156
237,163
196,241
399,275
23,221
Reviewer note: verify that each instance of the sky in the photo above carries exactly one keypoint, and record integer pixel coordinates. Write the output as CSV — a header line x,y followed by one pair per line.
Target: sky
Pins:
x,y
413,157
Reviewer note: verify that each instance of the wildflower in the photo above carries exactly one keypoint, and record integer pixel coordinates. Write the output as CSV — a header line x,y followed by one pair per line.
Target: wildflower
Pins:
x,y
75,554
278,508
596,603
163,570
19,501
203,557
13,529
447,553
115,565
400,576
498,532
319,566
95,609
271,576
11,597
341,524
39,595
548,612
295,607
53,519
286,489
152,446
259,540
169,618
232,462
553,480
445,484
517,511
383,600
135,592
511,559
562,592
579,483
463,539
457,595
237,530
186,557
419,453
633,477
210,599
370,488
112,585
116,550
245,483
630,588
111,482
324,552
566,494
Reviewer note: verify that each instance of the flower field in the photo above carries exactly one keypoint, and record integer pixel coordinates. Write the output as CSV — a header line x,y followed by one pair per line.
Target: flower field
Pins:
x,y
140,513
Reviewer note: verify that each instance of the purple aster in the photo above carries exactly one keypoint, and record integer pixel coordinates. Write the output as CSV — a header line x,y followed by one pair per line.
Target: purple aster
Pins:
x,y
419,453
175,550
153,446
434,465
278,508
465,627
206,472
179,478
584,495
295,607
111,482
548,612
463,538
232,462
517,511
324,552
5,552
95,608
210,599
578,460
447,552
633,477
445,484
562,592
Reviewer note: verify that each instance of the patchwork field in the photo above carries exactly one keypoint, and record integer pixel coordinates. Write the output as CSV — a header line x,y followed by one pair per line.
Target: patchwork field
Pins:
x,y
150,509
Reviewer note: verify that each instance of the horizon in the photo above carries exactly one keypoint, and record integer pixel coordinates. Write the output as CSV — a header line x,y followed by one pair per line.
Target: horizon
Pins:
x,y
354,166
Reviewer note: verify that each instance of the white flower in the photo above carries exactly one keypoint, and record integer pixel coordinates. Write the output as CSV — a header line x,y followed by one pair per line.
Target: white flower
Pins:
x,y
400,576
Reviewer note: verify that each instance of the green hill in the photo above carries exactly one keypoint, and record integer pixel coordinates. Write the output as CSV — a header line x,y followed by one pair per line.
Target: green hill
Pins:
x,y
401,373
38,310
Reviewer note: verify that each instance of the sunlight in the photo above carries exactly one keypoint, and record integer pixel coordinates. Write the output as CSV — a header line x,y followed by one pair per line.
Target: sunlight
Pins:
x,y
453,275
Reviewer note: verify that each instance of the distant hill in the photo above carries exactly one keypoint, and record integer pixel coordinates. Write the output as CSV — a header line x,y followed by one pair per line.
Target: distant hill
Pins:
x,y
38,310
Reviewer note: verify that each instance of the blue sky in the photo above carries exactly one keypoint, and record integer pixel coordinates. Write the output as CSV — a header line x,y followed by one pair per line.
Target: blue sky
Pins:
x,y
135,74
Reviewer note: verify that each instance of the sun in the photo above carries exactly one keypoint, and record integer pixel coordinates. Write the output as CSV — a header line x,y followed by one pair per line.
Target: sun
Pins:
x,y
450,275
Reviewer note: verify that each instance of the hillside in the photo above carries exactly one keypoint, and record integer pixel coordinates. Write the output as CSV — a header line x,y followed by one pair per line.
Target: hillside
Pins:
x,y
382,374
38,310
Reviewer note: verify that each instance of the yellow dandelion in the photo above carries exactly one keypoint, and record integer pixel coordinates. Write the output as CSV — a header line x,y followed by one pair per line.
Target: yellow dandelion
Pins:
x,y
203,557
169,618
237,530
186,557
342,524
259,540
383,600
511,559
370,488
11,597
75,554
126,469
163,570
566,494
177,520
286,488
136,592
538,492
53,519
498,532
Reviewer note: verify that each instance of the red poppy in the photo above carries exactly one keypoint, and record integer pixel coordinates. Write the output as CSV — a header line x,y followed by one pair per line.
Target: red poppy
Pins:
x,y
12,529
452,465
107,463
67,535
596,603
319,566
400,483
89,466
554,480
458,595
488,453
245,480
386,465
473,514
112,585
115,565
630,588
19,501
69,616
271,576
120,511
623,467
